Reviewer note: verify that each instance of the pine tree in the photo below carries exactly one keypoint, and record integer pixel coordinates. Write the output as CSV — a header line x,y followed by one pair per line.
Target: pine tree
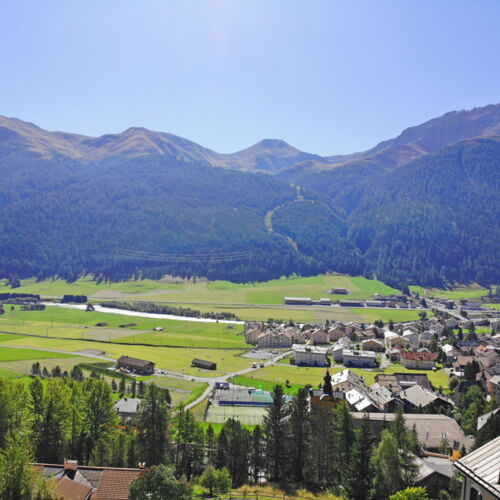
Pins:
x,y
257,461
276,430
344,437
300,428
152,421
360,468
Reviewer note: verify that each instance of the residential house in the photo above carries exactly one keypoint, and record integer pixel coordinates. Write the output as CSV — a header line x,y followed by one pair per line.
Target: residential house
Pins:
x,y
421,360
431,428
336,333
346,380
373,345
127,408
320,336
417,398
434,474
71,481
358,400
493,387
384,398
251,336
480,472
450,352
271,340
392,339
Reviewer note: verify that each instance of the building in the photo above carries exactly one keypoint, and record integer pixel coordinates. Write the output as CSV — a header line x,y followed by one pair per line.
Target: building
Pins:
x,y
384,398
298,301
392,339
336,333
339,291
71,481
346,380
431,428
480,472
434,474
252,336
134,365
493,386
359,401
351,303
359,359
307,355
272,340
422,360
372,345
417,398
203,364
397,382
320,337
127,408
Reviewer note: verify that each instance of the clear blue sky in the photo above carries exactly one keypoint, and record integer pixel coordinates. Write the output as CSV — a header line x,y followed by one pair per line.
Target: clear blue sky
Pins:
x,y
326,76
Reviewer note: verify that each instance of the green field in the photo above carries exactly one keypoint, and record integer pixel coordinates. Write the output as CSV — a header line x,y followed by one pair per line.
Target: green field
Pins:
x,y
266,378
78,324
203,291
9,354
402,315
472,291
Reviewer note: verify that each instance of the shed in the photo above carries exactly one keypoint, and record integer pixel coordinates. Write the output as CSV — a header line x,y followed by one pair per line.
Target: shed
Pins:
x,y
204,364
136,365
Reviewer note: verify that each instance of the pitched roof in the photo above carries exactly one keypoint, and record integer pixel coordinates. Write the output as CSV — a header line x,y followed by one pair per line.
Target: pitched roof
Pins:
x,y
420,356
419,396
71,490
483,465
114,484
140,363
127,405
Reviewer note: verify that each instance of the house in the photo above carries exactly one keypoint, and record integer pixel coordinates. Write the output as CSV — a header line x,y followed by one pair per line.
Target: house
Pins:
x,y
134,365
336,333
307,355
298,301
434,474
252,336
372,345
397,382
392,339
417,398
347,380
127,408
449,351
320,337
360,359
337,352
480,472
71,481
483,419
359,401
203,364
384,398
431,428
493,387
421,360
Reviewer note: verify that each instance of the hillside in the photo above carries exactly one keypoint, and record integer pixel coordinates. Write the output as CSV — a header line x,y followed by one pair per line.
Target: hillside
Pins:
x,y
420,208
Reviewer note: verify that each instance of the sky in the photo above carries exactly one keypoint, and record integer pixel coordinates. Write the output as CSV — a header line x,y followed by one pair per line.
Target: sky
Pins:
x,y
326,76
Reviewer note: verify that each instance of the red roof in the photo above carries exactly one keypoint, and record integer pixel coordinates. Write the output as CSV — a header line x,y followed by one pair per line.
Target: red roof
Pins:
x,y
419,356
115,483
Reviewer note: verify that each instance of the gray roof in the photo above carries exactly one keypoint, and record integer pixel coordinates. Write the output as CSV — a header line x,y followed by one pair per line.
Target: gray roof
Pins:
x,y
419,396
127,405
483,466
481,421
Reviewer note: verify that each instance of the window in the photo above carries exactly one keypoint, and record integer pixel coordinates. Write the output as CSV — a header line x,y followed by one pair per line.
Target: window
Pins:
x,y
474,494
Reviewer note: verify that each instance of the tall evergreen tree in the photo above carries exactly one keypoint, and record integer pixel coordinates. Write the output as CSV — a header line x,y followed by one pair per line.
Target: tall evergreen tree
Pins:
x,y
300,429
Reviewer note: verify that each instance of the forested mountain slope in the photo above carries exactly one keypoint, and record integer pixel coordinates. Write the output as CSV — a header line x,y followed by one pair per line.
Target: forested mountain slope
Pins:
x,y
421,208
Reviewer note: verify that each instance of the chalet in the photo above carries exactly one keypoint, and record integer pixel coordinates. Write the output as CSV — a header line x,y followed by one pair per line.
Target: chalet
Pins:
x,y
480,472
422,360
134,365
392,339
358,400
373,345
417,398
127,408
203,364
347,380
76,482
434,474
384,398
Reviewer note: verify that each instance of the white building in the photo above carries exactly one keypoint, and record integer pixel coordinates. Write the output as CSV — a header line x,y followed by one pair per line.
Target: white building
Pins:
x,y
308,355
360,359
346,380
271,340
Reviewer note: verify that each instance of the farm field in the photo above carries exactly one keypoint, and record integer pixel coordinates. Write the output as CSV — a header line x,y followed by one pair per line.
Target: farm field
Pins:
x,y
456,292
78,324
402,315
215,292
174,359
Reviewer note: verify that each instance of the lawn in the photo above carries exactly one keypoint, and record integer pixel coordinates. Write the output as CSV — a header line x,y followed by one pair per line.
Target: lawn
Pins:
x,y
301,376
385,315
11,354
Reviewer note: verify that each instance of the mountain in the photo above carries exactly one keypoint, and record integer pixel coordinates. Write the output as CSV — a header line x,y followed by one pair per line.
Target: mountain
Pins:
x,y
419,208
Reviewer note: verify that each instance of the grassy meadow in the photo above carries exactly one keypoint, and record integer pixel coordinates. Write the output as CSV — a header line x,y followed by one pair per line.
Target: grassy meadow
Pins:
x,y
458,291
